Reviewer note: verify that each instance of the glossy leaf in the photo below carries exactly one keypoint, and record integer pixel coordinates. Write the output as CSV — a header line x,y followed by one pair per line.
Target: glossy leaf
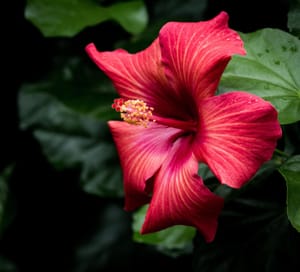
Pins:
x,y
68,17
172,241
270,69
291,172
71,140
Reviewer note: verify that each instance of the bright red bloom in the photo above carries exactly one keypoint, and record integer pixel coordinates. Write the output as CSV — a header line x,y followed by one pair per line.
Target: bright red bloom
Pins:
x,y
173,121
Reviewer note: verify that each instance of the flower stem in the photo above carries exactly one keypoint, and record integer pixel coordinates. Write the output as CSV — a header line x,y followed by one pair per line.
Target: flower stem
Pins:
x,y
281,153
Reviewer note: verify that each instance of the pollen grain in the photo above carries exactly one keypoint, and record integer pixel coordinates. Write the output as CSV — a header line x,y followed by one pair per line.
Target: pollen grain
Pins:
x,y
134,112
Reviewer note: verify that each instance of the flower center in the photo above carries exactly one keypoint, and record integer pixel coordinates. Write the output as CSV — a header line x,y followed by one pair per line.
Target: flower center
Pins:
x,y
137,112
134,111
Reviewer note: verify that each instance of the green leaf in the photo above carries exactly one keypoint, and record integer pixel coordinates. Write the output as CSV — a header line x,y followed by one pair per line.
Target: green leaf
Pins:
x,y
290,170
71,140
79,86
68,17
270,70
173,241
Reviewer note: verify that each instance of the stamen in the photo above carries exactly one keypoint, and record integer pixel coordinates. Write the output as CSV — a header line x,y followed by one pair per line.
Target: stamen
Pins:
x,y
137,112
134,112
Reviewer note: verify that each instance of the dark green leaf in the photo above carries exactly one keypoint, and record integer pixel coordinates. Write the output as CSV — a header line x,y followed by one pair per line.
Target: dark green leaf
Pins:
x,y
189,10
291,172
80,86
270,69
254,233
6,265
104,240
294,17
162,12
68,17
71,140
291,138
6,211
172,241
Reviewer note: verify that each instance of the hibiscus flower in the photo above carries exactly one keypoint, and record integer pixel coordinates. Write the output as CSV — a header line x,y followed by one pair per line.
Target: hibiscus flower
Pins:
x,y
172,121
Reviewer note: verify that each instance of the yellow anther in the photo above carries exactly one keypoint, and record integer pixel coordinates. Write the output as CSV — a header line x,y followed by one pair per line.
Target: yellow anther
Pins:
x,y
134,112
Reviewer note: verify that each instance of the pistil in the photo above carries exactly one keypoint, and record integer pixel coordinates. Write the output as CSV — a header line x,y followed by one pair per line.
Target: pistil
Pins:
x,y
137,112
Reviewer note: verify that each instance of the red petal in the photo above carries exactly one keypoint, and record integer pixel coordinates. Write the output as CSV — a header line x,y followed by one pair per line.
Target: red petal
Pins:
x,y
238,133
195,54
142,152
180,197
135,76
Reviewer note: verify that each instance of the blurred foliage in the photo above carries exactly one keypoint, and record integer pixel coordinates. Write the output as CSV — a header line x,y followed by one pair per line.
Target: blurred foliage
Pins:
x,y
294,17
7,211
68,17
254,233
73,141
63,194
7,266
79,86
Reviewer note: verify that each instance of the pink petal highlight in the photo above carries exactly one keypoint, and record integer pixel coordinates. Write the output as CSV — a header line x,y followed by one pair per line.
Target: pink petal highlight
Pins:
x,y
238,132
180,197
195,54
142,152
